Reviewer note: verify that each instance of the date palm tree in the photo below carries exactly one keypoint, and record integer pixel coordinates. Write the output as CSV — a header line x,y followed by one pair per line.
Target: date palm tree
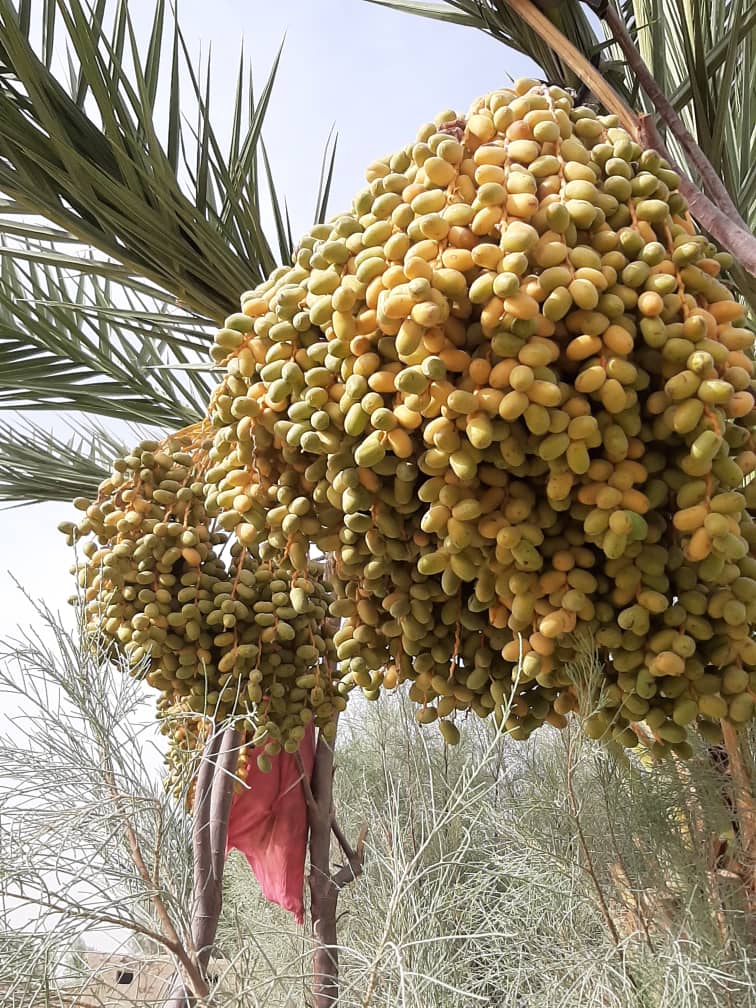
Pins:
x,y
124,242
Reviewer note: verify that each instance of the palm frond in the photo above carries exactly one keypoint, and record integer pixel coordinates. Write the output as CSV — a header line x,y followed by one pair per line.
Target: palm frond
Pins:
x,y
89,158
122,242
37,466
87,343
326,177
280,214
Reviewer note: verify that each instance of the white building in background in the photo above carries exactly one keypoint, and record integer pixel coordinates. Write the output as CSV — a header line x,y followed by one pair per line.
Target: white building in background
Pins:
x,y
122,981
103,980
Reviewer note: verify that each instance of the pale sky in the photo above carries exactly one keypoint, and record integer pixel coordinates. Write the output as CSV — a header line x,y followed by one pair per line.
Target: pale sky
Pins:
x,y
375,74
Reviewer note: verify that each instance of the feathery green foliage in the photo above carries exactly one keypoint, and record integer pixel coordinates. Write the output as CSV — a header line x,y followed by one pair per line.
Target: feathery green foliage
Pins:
x,y
88,157
65,345
548,874
37,465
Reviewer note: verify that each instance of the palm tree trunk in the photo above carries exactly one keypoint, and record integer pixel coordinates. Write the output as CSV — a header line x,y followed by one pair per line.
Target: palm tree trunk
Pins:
x,y
324,893
212,809
325,886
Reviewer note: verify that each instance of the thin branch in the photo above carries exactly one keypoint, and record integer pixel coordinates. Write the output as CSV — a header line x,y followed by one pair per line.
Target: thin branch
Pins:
x,y
158,850
343,842
352,870
312,806
155,898
346,874
589,865
624,875
93,917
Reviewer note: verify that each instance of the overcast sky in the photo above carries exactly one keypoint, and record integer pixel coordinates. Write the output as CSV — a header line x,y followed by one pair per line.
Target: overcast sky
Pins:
x,y
372,73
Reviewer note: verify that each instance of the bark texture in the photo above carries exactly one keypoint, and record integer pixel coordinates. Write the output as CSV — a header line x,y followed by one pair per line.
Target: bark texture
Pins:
x,y
212,808
323,883
324,895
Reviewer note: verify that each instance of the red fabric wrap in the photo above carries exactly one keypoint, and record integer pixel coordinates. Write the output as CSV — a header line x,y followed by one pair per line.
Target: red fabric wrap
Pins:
x,y
268,824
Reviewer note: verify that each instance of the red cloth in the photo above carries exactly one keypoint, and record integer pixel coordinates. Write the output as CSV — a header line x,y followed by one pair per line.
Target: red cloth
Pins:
x,y
268,824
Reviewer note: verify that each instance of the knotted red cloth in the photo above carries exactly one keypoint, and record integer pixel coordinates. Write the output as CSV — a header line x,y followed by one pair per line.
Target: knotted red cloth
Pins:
x,y
268,824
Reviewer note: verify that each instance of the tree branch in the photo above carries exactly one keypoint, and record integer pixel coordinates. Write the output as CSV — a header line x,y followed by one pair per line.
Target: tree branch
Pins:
x,y
588,864
352,870
93,917
312,806
343,842
158,850
173,941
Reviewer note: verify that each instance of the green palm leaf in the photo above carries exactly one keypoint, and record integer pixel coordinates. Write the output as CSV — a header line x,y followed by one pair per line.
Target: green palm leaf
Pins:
x,y
37,466
64,345
704,54
111,180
